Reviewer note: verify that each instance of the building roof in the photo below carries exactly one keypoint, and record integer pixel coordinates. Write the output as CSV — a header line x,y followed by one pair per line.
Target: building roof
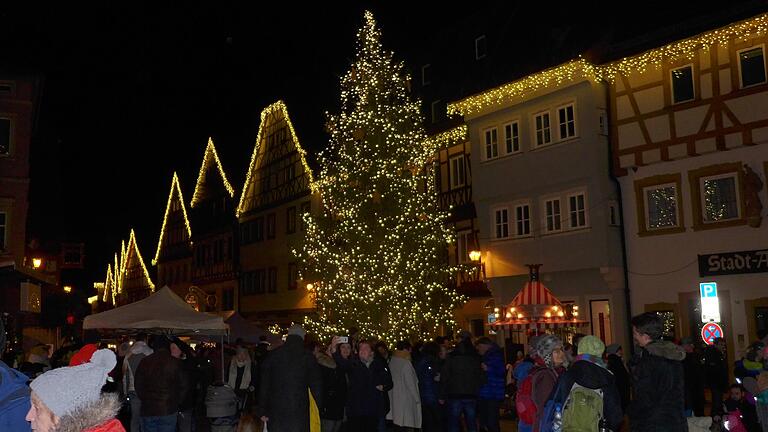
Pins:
x,y
175,191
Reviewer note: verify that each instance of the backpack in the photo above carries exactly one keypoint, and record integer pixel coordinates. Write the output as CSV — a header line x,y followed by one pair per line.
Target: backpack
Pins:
x,y
583,409
526,407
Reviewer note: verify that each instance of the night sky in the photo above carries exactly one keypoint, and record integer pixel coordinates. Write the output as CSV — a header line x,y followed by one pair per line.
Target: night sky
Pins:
x,y
132,91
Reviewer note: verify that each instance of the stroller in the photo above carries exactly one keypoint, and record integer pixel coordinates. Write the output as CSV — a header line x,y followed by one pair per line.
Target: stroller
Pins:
x,y
221,408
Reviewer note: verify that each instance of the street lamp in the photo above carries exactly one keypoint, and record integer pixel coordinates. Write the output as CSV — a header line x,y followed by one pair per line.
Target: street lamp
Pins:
x,y
475,255
310,286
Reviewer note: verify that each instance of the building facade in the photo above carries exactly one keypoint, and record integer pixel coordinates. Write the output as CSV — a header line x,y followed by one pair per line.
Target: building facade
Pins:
x,y
543,193
135,282
278,190
173,257
690,150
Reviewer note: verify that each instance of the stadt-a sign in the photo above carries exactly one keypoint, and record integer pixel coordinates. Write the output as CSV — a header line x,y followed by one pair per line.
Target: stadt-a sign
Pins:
x,y
728,263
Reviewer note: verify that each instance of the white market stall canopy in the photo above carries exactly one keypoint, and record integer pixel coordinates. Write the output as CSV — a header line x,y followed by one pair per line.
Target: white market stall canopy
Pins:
x,y
164,311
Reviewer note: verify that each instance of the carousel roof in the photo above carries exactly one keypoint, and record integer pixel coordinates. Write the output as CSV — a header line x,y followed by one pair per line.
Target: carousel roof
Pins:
x,y
547,309
535,293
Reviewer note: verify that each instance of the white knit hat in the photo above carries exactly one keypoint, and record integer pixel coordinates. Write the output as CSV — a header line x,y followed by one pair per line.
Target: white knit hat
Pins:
x,y
65,389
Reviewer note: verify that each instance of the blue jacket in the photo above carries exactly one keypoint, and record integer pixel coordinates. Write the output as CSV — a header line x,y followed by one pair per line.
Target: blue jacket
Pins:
x,y
14,400
428,390
495,381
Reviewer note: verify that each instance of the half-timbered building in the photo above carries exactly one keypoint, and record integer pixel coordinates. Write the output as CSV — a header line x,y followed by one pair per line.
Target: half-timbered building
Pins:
x,y
689,125
278,190
135,281
173,256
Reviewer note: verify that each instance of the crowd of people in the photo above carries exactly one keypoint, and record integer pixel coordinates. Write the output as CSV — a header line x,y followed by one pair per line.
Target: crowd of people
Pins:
x,y
355,384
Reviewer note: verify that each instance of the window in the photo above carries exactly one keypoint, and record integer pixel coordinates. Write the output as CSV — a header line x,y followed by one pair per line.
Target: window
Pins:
x,y
491,144
613,214
522,220
260,281
290,172
6,88
257,229
305,209
661,206
480,47
719,198
437,110
577,211
567,122
272,280
512,137
228,299
293,276
603,122
5,136
552,209
682,84
425,74
457,171
290,220
501,222
752,66
463,245
543,135
271,226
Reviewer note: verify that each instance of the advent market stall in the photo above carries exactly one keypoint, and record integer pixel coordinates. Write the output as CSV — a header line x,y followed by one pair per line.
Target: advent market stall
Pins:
x,y
535,310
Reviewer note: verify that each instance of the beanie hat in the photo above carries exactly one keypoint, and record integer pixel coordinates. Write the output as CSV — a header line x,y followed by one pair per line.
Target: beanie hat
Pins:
x,y
545,345
65,389
591,345
297,330
612,349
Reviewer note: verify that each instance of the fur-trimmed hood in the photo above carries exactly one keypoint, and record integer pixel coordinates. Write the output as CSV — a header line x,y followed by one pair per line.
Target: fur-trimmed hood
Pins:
x,y
325,360
91,415
666,349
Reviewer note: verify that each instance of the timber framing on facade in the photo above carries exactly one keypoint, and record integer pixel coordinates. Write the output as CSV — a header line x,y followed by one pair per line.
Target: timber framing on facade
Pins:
x,y
209,157
173,232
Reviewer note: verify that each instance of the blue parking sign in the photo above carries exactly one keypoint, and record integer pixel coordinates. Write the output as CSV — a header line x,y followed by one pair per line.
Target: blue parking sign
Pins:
x,y
708,289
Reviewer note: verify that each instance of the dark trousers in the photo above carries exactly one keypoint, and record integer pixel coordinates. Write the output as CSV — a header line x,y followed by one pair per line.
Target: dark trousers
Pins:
x,y
363,424
458,406
717,401
431,420
488,414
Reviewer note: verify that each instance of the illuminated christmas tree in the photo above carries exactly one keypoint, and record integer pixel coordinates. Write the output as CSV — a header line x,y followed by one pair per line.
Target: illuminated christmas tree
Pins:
x,y
376,255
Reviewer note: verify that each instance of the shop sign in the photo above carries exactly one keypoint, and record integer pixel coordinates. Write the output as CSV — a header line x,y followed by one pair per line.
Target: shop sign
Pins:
x,y
710,306
728,263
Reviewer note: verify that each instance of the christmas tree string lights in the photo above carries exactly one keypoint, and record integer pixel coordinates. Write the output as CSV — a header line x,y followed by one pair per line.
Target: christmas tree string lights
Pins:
x,y
376,253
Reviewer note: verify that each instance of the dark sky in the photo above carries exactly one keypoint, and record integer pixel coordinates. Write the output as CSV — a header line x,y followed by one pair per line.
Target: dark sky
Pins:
x,y
132,91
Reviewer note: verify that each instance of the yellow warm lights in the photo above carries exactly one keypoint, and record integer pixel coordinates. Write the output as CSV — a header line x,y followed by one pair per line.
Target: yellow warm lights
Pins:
x,y
67,289
310,287
475,255
580,69
133,251
175,187
209,157
448,138
277,108
93,299
37,263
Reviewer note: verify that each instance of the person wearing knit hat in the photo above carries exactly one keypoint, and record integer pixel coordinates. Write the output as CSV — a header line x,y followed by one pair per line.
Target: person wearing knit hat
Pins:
x,y
550,364
297,330
612,349
70,398
550,349
589,371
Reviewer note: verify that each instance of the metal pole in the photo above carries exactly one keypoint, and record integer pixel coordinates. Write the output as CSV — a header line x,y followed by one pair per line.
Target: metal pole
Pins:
x,y
222,358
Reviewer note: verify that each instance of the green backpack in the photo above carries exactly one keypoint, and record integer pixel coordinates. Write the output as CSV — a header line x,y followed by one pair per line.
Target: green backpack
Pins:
x,y
582,410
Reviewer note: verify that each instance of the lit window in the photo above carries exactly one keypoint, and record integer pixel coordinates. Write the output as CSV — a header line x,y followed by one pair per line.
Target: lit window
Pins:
x,y
682,84
554,221
543,134
577,211
512,137
491,143
457,172
752,66
522,220
719,196
661,206
501,222
567,122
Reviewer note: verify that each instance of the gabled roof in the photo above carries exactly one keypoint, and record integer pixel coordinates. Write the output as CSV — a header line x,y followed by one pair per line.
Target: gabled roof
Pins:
x,y
132,245
108,284
209,157
177,188
275,108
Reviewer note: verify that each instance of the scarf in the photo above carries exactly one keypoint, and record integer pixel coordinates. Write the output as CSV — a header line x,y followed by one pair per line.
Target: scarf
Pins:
x,y
592,359
245,382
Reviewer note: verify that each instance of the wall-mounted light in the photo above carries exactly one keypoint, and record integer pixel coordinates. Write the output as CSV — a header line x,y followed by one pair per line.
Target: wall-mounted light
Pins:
x,y
37,263
475,255
67,289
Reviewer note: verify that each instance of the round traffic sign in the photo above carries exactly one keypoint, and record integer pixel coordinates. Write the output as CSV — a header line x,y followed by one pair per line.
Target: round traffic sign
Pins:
x,y
710,332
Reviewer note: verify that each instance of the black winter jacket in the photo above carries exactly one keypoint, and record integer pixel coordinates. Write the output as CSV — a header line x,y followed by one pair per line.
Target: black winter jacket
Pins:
x,y
462,375
621,376
363,398
161,383
287,374
334,388
657,385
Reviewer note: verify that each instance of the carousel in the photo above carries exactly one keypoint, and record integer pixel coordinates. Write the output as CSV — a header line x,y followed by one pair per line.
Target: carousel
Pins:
x,y
535,310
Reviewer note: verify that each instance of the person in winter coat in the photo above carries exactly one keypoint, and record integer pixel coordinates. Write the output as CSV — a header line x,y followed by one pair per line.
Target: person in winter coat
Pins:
x,y
550,364
657,379
241,374
693,377
14,394
404,398
131,362
428,375
162,384
334,387
716,373
288,374
588,370
369,381
69,399
520,373
492,392
615,362
460,382
746,411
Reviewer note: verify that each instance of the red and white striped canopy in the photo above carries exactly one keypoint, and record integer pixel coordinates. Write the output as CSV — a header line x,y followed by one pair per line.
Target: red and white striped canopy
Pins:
x,y
541,324
535,293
